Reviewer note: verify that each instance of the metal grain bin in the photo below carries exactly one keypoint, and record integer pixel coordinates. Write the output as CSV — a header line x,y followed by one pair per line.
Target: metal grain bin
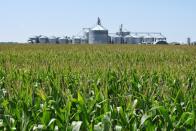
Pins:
x,y
76,40
159,37
86,33
98,34
116,39
84,40
52,40
148,39
69,40
109,39
33,39
63,40
43,39
133,39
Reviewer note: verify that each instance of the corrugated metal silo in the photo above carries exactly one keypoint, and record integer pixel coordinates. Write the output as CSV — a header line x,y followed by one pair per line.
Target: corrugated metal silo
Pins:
x,y
116,39
63,40
159,37
84,40
133,39
69,40
109,39
148,39
76,40
98,34
86,34
43,39
33,39
52,40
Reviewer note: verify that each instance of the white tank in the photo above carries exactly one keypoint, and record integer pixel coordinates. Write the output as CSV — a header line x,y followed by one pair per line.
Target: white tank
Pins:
x,y
33,39
76,40
63,40
116,39
98,34
159,37
86,33
84,41
109,39
52,40
148,39
43,39
133,39
69,40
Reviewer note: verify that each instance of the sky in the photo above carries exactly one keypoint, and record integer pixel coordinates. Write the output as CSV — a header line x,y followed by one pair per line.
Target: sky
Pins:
x,y
20,19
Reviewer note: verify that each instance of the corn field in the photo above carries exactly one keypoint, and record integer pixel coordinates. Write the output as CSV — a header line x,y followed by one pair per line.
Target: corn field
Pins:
x,y
97,88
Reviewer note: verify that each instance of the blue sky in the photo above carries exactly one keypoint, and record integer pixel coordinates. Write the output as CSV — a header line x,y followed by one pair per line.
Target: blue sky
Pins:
x,y
23,18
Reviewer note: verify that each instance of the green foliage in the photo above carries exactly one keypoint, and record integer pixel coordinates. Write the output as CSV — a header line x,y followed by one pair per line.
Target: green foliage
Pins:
x,y
99,87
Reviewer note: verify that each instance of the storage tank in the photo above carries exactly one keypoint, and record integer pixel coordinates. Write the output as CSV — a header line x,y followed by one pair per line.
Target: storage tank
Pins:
x,y
43,39
69,40
52,40
109,39
148,39
33,39
189,41
133,39
98,34
63,40
116,39
76,40
86,33
159,37
84,40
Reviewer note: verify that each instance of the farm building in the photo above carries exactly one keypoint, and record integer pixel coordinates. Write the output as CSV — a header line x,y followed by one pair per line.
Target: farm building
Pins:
x,y
100,35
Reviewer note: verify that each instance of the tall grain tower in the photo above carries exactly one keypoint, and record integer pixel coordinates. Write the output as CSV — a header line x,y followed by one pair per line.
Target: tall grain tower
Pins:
x,y
98,34
189,41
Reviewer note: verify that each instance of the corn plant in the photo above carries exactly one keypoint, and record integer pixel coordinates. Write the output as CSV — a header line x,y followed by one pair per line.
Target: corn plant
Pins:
x,y
97,88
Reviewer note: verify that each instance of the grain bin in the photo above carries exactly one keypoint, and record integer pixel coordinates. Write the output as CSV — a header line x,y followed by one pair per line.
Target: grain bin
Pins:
x,y
133,39
33,39
76,40
63,40
148,39
109,39
52,40
98,34
86,33
159,37
84,40
43,39
116,39
69,40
